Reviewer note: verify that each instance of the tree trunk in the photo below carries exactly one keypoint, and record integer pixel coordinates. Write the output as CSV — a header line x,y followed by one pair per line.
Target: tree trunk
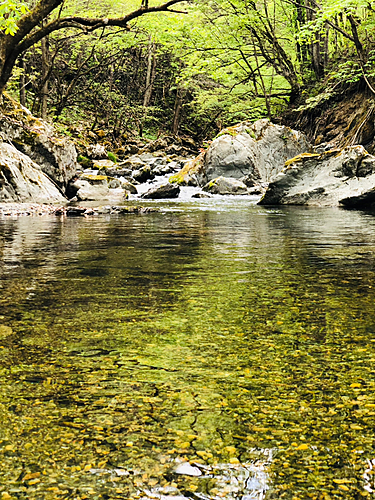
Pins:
x,y
22,82
177,112
45,77
151,71
315,47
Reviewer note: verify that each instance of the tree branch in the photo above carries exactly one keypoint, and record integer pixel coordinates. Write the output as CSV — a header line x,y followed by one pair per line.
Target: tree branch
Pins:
x,y
91,24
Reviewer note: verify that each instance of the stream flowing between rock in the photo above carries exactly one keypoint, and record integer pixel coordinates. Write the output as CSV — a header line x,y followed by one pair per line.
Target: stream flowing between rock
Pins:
x,y
212,350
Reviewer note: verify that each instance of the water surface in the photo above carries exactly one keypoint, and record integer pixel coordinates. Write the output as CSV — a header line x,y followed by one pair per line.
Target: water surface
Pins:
x,y
213,350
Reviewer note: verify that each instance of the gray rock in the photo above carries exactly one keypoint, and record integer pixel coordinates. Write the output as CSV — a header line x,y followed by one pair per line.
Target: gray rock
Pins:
x,y
249,181
114,184
118,172
164,191
165,169
145,157
225,185
158,144
253,152
332,178
256,190
96,152
256,151
188,470
133,163
156,162
201,195
21,180
128,186
55,156
143,174
102,164
91,188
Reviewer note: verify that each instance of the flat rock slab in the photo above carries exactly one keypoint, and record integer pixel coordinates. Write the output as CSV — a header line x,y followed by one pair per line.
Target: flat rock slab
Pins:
x,y
333,178
29,209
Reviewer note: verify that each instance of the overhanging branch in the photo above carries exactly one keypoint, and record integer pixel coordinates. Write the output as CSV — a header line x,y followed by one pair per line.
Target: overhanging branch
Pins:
x,y
92,24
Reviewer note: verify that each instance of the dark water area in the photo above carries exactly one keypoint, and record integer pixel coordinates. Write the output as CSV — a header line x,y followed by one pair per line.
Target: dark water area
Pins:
x,y
212,350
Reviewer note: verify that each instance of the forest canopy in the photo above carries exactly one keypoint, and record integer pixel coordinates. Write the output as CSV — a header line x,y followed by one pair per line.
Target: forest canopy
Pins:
x,y
188,68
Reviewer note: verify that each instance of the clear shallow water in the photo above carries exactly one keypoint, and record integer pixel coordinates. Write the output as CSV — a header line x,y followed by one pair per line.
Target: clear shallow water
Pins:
x,y
217,335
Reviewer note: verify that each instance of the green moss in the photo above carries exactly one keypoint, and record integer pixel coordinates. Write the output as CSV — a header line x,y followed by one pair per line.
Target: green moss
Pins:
x,y
191,167
92,177
177,178
112,157
251,133
232,131
85,162
301,157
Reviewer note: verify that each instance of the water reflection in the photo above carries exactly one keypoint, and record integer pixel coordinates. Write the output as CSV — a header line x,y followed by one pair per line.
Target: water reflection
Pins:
x,y
204,337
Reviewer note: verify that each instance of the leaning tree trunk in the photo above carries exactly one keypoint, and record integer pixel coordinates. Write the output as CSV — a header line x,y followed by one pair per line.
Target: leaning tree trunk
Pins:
x,y
12,46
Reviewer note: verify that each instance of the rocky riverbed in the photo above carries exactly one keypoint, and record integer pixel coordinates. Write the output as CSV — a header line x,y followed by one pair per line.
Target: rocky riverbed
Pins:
x,y
40,209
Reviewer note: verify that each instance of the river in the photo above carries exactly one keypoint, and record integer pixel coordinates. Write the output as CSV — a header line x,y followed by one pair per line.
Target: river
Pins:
x,y
212,350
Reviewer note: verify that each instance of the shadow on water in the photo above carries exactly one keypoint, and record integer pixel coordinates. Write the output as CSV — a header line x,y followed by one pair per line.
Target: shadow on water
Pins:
x,y
220,350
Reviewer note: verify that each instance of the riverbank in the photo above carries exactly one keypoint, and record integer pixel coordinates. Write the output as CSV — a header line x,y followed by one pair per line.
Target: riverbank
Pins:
x,y
30,209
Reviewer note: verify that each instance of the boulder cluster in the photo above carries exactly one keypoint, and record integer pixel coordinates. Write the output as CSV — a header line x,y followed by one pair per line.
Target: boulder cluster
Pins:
x,y
273,162
105,179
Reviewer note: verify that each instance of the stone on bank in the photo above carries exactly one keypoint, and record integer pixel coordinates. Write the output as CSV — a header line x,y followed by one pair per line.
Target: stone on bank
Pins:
x,y
337,177
21,180
163,191
55,156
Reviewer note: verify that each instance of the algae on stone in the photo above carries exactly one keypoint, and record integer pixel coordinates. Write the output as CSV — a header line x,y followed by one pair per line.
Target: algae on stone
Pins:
x,y
192,174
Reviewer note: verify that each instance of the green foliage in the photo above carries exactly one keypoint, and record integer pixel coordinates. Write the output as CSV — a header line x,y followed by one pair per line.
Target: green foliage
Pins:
x,y
226,61
112,157
10,12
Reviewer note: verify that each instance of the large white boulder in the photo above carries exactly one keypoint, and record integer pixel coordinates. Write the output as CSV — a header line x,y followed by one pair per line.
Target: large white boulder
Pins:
x,y
253,152
55,155
256,150
21,180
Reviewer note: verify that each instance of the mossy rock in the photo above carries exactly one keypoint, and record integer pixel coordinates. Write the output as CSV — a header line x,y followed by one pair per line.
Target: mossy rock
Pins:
x,y
94,179
187,175
112,157
302,157
102,164
228,131
84,161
